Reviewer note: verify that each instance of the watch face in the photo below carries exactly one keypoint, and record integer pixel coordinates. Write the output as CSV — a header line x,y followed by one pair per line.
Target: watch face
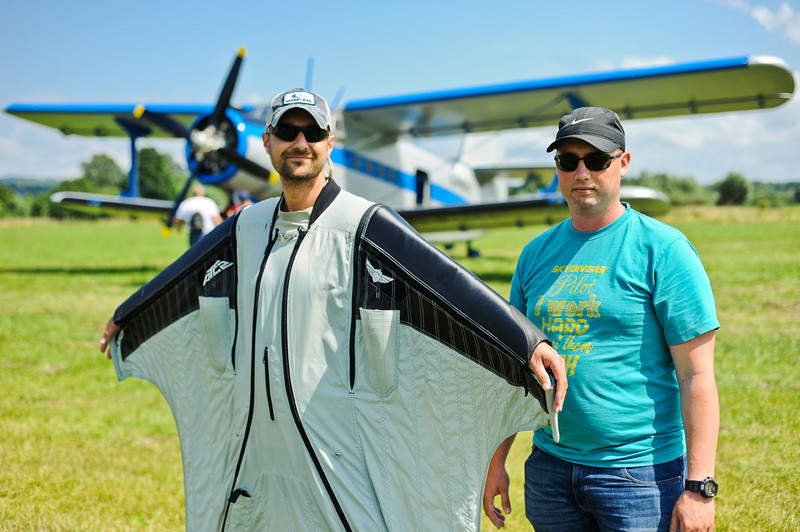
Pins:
x,y
709,488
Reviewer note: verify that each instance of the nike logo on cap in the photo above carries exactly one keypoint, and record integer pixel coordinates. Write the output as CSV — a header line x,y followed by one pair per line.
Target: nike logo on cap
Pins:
x,y
578,121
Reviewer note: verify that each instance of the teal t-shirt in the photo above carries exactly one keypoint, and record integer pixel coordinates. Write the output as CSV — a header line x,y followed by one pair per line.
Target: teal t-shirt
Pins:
x,y
612,301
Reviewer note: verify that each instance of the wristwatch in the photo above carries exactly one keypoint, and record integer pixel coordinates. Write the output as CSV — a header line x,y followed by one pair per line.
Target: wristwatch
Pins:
x,y
707,488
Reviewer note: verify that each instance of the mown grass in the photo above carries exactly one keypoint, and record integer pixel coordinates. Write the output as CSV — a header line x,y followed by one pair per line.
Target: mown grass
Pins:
x,y
80,451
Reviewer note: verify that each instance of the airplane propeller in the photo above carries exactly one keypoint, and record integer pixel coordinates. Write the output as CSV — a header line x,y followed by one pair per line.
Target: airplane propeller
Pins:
x,y
212,141
224,99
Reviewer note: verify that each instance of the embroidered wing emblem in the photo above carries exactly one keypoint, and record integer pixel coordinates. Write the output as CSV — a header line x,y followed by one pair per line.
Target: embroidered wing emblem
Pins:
x,y
377,275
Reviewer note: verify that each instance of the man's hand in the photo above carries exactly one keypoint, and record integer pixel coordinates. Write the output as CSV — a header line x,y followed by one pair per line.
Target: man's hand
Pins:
x,y
111,328
692,513
497,483
546,358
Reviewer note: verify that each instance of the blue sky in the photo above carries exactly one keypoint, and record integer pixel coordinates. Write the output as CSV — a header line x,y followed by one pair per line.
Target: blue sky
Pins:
x,y
170,51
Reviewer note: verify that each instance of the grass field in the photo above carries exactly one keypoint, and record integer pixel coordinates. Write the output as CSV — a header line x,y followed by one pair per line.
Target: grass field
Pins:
x,y
80,451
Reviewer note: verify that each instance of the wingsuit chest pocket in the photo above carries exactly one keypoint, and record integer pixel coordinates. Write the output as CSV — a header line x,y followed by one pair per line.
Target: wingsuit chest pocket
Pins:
x,y
380,344
217,321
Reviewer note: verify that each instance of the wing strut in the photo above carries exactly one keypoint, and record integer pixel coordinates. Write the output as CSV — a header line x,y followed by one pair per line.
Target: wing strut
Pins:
x,y
134,133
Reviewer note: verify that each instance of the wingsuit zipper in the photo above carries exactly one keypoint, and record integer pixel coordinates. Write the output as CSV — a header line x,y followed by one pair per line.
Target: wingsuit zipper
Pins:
x,y
267,252
266,383
290,392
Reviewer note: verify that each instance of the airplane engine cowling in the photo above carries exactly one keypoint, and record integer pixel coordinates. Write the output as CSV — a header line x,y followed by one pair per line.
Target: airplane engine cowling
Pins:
x,y
205,160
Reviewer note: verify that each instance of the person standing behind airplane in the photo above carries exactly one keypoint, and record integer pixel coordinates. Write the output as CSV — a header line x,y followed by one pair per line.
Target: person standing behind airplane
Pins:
x,y
239,200
627,302
199,213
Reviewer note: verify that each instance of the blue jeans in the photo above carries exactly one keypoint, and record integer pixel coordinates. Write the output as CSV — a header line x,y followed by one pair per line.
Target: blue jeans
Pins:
x,y
563,496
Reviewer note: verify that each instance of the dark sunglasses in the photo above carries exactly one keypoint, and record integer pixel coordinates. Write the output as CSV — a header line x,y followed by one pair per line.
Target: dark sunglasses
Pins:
x,y
594,161
289,133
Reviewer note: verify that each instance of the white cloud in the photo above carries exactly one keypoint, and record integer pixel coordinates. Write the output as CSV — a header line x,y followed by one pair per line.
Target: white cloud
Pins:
x,y
641,62
784,21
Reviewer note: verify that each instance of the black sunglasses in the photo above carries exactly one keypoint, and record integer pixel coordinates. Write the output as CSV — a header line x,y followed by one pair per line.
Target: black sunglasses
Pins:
x,y
595,161
289,133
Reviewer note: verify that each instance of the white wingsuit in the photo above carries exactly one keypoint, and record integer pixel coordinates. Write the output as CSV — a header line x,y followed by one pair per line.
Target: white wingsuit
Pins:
x,y
351,378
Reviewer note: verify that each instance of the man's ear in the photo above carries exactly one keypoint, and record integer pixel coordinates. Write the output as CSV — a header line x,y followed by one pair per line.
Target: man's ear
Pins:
x,y
624,163
330,144
265,140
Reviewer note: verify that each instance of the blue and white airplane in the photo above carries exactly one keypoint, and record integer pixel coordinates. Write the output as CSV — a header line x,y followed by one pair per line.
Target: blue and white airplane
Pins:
x,y
376,153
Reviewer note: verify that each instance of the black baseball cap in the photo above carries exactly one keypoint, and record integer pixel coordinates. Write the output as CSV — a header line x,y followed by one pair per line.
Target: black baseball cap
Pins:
x,y
598,126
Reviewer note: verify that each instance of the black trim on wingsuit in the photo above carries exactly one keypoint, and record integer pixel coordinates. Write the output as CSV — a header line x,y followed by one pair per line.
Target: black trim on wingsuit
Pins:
x,y
182,282
386,241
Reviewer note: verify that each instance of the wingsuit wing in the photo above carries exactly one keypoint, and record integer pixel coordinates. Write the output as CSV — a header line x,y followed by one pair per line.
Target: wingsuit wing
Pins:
x,y
444,367
177,332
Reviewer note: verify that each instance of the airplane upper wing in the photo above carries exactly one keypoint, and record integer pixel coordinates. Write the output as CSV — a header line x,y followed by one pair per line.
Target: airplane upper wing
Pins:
x,y
110,120
684,89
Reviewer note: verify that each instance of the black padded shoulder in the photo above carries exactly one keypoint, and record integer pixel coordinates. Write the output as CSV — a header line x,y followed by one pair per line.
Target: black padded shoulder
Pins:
x,y
208,268
442,299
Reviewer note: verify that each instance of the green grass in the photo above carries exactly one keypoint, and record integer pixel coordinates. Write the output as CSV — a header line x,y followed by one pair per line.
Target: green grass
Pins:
x,y
80,451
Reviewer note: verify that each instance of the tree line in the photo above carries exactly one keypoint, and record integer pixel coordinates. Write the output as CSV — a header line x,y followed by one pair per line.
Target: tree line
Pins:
x,y
733,189
161,178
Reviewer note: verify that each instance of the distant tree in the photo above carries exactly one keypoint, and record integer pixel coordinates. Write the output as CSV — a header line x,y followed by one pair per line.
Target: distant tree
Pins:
x,y
733,190
7,201
159,176
797,195
40,205
103,174
679,190
768,195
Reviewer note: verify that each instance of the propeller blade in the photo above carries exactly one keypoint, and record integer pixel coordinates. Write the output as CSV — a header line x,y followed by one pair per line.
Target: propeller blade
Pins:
x,y
227,90
163,121
244,163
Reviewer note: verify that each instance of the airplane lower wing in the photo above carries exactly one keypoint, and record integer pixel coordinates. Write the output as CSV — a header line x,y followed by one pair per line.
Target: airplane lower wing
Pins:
x,y
104,203
532,210
452,223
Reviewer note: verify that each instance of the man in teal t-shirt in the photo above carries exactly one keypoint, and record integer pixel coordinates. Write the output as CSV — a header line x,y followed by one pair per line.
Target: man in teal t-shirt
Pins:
x,y
627,303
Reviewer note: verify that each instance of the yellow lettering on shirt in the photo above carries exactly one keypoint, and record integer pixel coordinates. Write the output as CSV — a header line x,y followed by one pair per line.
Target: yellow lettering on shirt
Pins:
x,y
568,317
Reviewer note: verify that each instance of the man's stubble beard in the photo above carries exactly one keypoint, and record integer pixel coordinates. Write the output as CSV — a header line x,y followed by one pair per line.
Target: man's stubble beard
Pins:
x,y
291,174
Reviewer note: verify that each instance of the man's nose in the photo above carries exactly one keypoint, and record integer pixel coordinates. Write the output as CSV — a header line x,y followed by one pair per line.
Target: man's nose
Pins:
x,y
581,172
301,139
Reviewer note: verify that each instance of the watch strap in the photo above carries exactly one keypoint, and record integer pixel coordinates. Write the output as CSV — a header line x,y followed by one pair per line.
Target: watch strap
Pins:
x,y
702,487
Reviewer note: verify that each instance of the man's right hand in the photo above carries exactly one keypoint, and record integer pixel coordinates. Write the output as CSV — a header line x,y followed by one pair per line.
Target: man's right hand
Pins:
x,y
543,359
497,483
111,328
